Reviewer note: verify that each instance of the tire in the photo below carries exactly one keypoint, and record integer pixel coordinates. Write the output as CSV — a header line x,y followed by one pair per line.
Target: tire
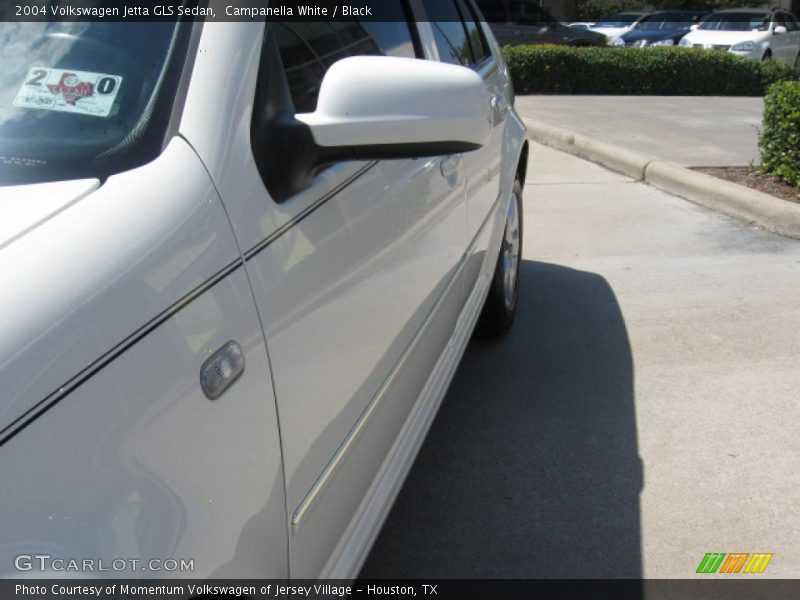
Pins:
x,y
501,303
767,55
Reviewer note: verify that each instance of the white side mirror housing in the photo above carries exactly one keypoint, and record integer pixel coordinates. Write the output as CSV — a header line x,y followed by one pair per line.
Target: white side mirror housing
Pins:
x,y
780,30
389,107
694,27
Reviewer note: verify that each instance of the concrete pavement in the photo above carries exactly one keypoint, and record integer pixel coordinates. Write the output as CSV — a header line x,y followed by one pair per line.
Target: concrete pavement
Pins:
x,y
615,137
690,131
642,411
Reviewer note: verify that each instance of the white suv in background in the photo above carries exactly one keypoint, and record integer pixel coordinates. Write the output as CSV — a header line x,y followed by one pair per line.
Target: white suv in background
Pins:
x,y
240,263
752,33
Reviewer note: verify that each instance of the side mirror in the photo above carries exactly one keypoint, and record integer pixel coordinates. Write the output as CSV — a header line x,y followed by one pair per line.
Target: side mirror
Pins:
x,y
368,108
780,30
694,27
380,107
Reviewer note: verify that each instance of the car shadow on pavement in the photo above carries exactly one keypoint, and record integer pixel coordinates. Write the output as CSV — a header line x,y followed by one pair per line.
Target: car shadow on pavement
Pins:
x,y
531,468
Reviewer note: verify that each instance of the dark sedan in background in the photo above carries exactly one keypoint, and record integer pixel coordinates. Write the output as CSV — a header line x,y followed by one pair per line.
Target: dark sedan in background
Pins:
x,y
662,28
525,22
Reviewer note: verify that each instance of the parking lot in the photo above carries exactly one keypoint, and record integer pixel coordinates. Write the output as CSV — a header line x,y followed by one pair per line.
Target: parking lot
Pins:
x,y
640,413
689,131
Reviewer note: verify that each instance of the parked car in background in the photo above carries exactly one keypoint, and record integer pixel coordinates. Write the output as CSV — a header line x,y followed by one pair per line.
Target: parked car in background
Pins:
x,y
752,33
517,22
228,325
618,24
663,28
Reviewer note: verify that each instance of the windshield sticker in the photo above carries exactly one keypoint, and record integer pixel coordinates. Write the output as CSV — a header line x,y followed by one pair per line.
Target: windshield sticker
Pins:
x,y
69,91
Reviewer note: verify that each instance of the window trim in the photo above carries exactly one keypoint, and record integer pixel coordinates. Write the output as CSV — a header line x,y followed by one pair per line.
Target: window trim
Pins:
x,y
489,57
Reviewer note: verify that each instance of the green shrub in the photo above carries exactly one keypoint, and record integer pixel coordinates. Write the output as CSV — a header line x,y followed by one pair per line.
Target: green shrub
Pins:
x,y
780,138
637,71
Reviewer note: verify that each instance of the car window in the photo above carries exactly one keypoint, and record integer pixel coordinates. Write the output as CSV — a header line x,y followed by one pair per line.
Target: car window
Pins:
x,y
449,32
787,21
737,21
791,22
619,20
666,22
80,99
474,34
655,23
308,49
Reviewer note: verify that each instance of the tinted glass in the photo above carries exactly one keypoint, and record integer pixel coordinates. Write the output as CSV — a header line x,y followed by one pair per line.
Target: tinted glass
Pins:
x,y
737,21
666,22
791,22
449,33
308,49
85,99
619,20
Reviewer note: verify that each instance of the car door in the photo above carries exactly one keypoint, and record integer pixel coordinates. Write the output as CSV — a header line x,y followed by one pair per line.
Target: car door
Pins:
x,y
793,39
459,26
781,42
358,295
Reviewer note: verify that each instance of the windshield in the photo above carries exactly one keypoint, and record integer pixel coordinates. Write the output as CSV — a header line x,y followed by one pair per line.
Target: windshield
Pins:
x,y
664,23
84,99
737,22
618,20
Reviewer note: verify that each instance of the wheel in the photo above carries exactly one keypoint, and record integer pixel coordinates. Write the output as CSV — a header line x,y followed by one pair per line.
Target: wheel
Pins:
x,y
767,55
501,303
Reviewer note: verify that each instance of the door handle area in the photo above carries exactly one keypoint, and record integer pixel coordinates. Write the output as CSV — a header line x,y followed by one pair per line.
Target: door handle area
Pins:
x,y
450,164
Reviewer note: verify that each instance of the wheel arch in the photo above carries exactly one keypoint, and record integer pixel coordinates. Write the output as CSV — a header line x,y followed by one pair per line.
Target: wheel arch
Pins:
x,y
522,164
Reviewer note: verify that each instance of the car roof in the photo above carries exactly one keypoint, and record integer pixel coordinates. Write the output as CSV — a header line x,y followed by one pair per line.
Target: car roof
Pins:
x,y
756,11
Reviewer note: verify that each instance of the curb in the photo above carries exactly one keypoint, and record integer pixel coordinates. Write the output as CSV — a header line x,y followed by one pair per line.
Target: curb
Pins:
x,y
742,203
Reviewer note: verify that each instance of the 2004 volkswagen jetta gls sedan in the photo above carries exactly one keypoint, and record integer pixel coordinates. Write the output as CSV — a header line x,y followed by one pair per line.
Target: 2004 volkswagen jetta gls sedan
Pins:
x,y
239,265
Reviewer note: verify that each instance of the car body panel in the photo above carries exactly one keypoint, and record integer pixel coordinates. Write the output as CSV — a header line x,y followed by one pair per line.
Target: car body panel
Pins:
x,y
113,261
25,207
346,291
136,463
349,555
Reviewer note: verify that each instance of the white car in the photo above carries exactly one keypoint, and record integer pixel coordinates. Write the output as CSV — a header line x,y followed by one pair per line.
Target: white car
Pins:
x,y
618,24
752,33
236,283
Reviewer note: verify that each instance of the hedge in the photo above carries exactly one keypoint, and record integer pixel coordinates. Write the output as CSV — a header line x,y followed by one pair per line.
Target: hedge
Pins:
x,y
666,71
780,138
